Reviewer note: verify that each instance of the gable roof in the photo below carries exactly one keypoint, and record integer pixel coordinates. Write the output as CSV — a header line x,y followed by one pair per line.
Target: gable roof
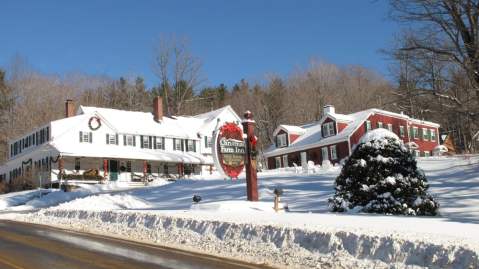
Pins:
x,y
290,129
143,123
312,137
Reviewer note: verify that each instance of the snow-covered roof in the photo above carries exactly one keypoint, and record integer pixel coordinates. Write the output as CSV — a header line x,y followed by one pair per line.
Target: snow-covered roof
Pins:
x,y
341,117
312,136
143,123
135,122
290,129
210,119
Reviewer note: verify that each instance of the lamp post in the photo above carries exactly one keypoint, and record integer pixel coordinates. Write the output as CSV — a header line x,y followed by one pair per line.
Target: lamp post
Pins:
x,y
250,157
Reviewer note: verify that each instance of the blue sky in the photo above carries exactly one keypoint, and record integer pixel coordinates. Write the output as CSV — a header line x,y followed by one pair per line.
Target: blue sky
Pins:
x,y
233,39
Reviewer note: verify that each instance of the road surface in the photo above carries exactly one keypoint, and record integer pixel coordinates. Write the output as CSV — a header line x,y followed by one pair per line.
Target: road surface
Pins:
x,y
25,245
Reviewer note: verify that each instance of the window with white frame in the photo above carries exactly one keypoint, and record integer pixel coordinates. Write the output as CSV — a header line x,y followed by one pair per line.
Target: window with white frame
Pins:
x,y
190,145
285,161
129,140
433,135
278,162
415,133
417,153
368,125
177,144
380,124
424,134
401,131
281,140
111,139
328,129
426,153
145,143
86,137
390,127
160,142
324,153
334,154
207,142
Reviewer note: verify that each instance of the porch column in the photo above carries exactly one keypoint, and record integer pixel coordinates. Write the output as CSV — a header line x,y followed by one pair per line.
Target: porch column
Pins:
x,y
105,168
145,169
61,167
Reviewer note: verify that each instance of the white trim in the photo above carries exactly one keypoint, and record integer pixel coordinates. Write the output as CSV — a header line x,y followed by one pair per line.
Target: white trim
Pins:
x,y
335,156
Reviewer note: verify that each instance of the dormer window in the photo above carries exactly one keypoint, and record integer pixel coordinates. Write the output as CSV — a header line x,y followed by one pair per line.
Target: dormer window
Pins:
x,y
328,129
281,141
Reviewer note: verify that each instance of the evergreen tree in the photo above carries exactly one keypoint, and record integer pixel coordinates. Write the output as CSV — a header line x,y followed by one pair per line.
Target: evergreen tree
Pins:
x,y
381,176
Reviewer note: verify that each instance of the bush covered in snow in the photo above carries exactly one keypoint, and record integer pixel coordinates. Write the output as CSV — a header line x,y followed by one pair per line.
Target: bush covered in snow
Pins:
x,y
381,176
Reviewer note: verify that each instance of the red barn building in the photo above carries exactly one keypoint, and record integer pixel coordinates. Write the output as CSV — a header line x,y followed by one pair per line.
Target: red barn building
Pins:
x,y
334,137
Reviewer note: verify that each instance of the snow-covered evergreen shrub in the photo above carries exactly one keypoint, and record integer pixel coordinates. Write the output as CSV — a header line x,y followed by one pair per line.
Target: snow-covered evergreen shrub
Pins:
x,y
381,176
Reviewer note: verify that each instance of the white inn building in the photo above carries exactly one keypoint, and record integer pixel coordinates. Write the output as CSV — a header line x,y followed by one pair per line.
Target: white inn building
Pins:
x,y
101,144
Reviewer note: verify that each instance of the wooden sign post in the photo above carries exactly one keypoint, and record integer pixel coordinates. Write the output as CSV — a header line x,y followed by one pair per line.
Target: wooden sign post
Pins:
x,y
250,157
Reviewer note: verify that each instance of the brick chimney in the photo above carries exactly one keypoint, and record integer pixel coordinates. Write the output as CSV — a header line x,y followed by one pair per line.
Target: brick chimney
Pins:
x,y
158,108
69,108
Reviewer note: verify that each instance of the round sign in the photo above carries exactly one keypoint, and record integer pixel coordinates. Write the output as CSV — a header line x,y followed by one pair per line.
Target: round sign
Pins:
x,y
229,150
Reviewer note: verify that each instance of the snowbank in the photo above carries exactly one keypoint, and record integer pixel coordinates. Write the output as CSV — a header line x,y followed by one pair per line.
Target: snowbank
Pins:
x,y
18,198
293,240
56,197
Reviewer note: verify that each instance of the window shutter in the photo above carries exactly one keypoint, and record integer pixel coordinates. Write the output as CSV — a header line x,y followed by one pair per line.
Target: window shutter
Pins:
x,y
154,142
206,141
124,140
174,143
150,140
81,137
134,140
107,142
194,146
182,145
116,136
186,145
162,143
141,141
91,137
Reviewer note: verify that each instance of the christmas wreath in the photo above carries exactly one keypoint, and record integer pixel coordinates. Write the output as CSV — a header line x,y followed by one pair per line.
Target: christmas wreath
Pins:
x,y
97,123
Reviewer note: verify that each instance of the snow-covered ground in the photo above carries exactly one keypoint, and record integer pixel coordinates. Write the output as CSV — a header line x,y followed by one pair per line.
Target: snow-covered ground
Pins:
x,y
307,236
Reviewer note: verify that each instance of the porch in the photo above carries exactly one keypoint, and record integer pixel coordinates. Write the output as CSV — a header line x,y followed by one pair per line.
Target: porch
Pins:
x,y
98,170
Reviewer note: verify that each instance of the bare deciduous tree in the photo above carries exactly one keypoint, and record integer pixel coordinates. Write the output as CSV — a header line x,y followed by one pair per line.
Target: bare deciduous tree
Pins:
x,y
178,70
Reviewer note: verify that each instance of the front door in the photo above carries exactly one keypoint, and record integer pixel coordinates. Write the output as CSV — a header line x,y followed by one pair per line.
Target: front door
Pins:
x,y
113,167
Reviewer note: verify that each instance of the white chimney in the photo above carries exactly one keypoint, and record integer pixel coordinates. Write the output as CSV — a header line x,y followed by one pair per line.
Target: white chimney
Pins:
x,y
328,109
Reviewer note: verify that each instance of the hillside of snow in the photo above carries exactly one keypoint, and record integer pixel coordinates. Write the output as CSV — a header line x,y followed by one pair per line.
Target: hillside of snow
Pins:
x,y
307,236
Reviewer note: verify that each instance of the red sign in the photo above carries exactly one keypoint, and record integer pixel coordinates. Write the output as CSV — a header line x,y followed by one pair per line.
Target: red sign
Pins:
x,y
229,150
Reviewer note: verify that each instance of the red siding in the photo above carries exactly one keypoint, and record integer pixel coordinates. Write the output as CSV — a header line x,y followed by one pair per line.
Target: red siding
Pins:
x,y
341,126
424,145
293,137
342,148
396,122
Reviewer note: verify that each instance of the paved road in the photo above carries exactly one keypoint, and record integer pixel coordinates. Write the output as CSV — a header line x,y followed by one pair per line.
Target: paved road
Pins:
x,y
33,246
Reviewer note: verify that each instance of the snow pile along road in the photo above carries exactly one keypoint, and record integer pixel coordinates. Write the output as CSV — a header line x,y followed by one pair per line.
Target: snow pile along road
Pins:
x,y
308,236
12,199
286,239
